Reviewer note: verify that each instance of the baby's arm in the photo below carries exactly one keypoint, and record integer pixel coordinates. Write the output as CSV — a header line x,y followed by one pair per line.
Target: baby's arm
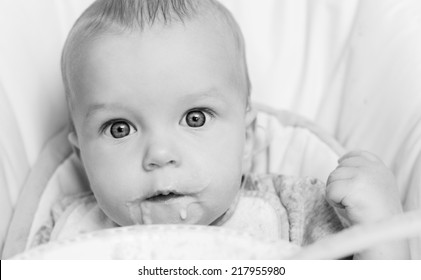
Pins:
x,y
363,190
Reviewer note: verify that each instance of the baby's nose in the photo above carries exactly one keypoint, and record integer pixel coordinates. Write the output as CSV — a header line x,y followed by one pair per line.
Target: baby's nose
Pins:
x,y
160,153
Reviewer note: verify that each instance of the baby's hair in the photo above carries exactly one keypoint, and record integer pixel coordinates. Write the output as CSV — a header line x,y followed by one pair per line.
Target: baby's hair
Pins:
x,y
127,16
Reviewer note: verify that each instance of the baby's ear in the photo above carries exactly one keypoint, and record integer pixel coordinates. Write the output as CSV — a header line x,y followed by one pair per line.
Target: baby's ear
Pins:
x,y
249,142
72,137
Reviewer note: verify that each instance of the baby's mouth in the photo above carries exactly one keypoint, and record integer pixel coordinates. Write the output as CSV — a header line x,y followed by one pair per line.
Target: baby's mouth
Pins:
x,y
163,196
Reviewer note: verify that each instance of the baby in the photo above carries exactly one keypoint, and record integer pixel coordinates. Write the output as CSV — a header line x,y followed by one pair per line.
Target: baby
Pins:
x,y
159,97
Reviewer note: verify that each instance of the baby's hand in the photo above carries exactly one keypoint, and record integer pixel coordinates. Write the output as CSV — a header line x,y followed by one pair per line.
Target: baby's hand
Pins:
x,y
363,189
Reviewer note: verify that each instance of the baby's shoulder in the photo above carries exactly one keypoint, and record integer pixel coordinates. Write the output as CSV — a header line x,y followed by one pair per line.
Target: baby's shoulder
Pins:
x,y
293,192
310,216
283,184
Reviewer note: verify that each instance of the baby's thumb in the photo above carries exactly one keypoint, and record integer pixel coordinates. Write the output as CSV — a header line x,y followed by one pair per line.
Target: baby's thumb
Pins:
x,y
338,207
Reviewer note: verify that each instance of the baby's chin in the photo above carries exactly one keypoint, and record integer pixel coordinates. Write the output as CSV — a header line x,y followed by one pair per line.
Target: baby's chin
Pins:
x,y
183,210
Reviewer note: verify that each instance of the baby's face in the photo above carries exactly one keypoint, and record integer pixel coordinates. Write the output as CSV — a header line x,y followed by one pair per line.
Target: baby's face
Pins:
x,y
160,123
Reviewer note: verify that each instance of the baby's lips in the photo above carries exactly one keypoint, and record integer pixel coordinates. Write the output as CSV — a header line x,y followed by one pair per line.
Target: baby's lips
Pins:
x,y
163,195
183,184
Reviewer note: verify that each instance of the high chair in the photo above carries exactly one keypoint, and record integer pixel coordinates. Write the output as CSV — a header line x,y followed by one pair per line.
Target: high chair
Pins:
x,y
338,76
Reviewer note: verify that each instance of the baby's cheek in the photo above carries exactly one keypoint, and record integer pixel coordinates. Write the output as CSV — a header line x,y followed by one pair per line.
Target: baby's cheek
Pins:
x,y
112,194
115,208
226,184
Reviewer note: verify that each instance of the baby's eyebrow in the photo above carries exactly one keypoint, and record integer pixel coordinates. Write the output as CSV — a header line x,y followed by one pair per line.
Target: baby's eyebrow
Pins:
x,y
93,108
212,94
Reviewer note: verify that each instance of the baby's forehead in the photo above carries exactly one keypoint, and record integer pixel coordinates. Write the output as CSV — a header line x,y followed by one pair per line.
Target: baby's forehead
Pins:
x,y
180,52
200,38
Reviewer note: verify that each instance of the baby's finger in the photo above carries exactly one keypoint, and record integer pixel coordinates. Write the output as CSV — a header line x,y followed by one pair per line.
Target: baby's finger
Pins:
x,y
349,155
356,161
332,179
336,192
358,153
341,173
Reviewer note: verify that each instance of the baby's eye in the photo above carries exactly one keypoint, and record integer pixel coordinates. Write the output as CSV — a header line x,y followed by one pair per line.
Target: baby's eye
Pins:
x,y
119,129
196,118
